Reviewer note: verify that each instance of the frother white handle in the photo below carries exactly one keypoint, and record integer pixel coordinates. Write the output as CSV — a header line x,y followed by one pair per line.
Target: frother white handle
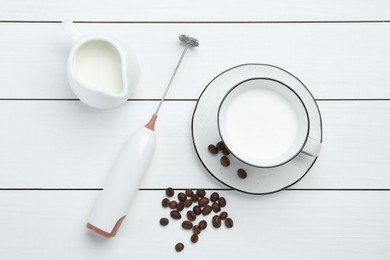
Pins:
x,y
312,147
122,183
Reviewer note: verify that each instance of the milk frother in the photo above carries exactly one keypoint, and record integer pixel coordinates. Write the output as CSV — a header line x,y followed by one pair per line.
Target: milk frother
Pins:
x,y
128,170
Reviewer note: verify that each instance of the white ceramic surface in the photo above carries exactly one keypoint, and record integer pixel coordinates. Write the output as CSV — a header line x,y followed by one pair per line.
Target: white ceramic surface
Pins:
x,y
95,95
263,122
205,132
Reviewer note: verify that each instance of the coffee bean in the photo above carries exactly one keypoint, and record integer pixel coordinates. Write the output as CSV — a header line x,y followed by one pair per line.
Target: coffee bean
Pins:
x,y
188,203
175,214
229,223
241,173
194,238
201,193
191,215
213,149
194,198
226,151
203,202
182,197
223,215
197,210
216,208
196,229
187,224
179,247
172,204
180,206
206,210
216,221
203,224
214,197
170,192
164,221
165,202
225,161
220,146
222,202
189,192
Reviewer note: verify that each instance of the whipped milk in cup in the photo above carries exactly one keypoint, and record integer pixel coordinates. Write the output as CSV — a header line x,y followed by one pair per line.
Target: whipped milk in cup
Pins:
x,y
98,70
264,123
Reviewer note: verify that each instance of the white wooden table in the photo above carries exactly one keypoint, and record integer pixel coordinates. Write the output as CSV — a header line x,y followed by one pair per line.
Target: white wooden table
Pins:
x,y
55,152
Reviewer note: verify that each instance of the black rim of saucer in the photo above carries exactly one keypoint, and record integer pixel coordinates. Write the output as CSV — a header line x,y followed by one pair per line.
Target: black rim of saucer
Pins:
x,y
193,139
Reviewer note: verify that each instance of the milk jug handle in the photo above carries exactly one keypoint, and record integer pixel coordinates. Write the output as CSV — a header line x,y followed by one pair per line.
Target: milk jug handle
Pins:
x,y
70,29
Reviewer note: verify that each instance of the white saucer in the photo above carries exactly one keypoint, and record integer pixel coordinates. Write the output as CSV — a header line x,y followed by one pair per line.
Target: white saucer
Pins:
x,y
205,132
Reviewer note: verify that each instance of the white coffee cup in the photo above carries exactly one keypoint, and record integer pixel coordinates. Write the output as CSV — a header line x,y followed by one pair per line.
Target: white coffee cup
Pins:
x,y
99,72
264,123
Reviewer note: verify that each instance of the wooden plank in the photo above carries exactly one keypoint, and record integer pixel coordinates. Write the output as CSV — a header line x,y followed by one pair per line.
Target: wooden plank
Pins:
x,y
65,144
287,225
333,60
201,10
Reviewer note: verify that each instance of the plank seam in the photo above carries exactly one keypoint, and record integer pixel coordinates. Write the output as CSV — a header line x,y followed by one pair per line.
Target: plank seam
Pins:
x,y
76,99
162,189
200,22
183,99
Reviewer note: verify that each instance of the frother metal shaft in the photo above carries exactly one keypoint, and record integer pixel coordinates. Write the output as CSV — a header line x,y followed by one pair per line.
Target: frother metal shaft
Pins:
x,y
189,41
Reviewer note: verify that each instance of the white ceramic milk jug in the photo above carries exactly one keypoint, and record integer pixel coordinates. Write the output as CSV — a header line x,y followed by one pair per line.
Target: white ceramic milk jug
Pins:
x,y
98,70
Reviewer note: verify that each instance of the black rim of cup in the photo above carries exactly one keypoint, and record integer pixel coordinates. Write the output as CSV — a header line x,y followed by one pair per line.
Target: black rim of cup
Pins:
x,y
306,113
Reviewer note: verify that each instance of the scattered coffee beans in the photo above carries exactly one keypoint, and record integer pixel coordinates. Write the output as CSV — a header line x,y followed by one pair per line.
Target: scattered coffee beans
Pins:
x,y
189,192
191,215
216,221
203,202
172,204
194,238
197,210
194,198
180,206
203,224
229,223
206,210
188,203
214,197
222,202
223,215
175,214
225,161
201,193
165,202
216,208
179,247
170,192
187,224
213,149
182,197
205,206
241,173
220,145
196,230
164,221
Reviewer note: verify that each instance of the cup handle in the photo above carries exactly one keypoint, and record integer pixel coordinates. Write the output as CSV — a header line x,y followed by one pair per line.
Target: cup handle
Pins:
x,y
70,30
312,147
